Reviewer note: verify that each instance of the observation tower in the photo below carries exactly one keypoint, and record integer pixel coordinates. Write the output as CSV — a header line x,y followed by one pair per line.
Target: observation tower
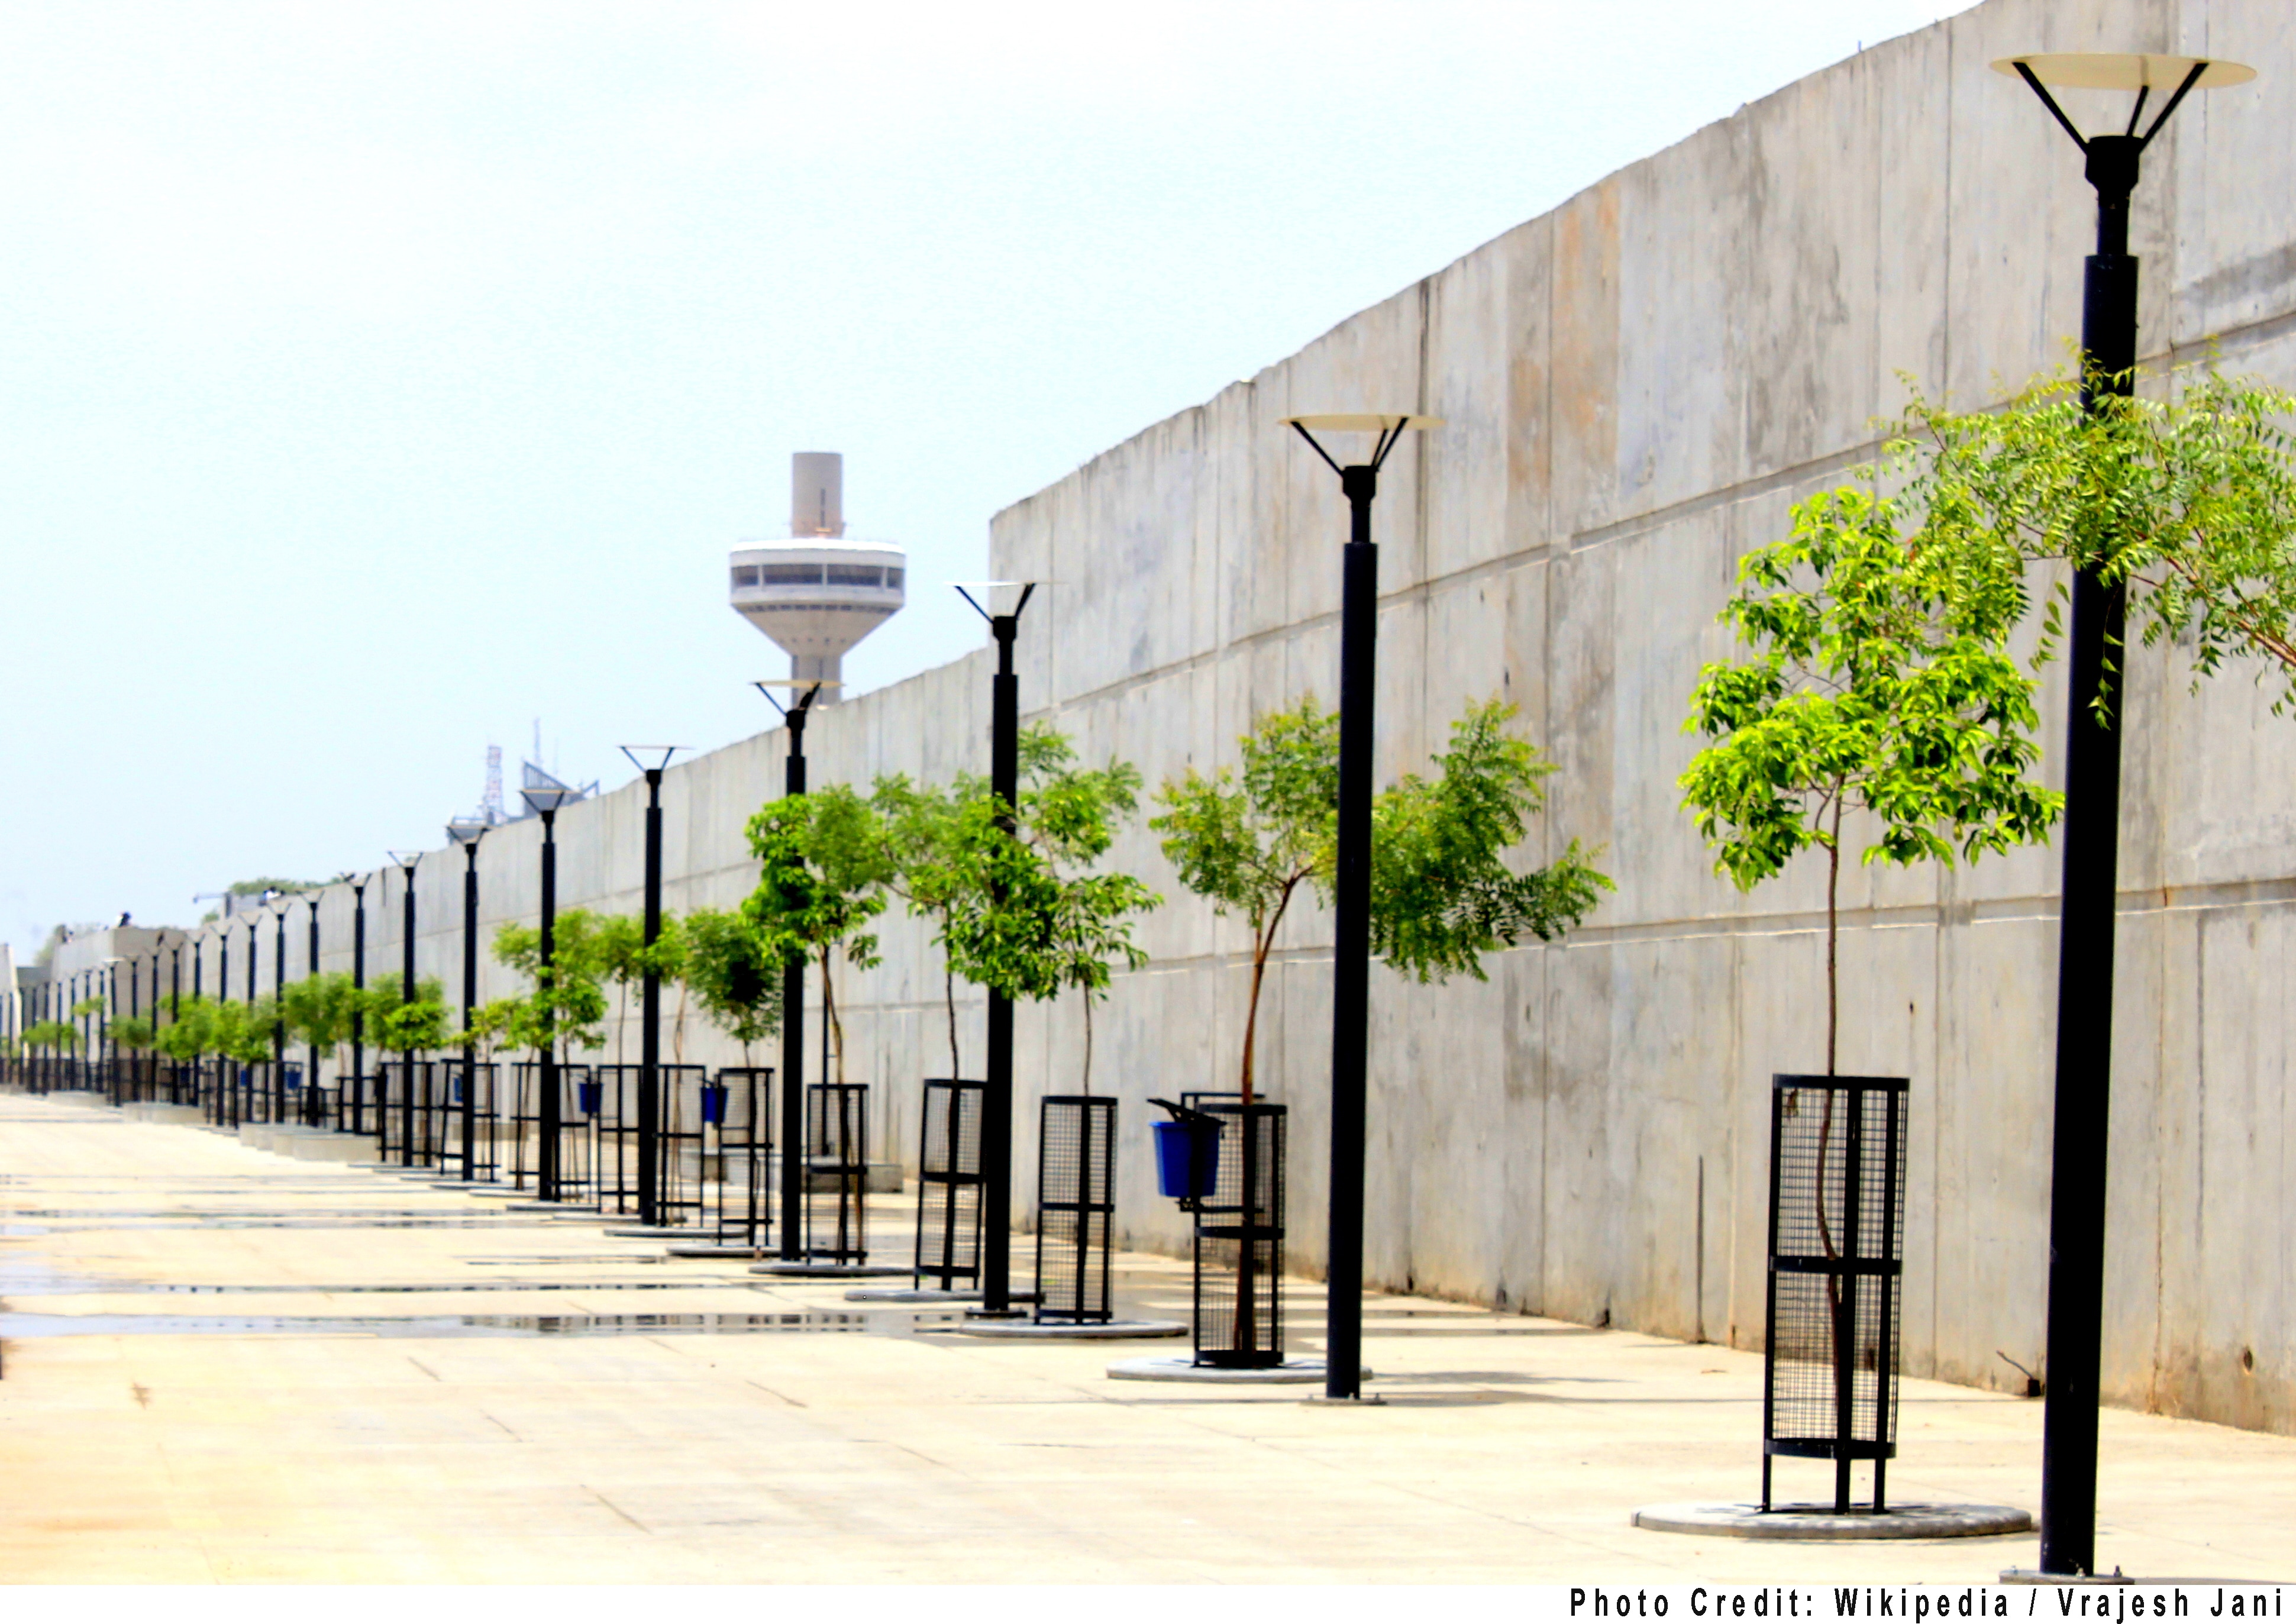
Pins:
x,y
816,593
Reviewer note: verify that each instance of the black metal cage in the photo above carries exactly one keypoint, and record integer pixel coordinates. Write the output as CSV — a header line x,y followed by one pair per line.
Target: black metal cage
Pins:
x,y
738,1124
948,1185
1239,1241
1075,1207
1837,1245
836,1154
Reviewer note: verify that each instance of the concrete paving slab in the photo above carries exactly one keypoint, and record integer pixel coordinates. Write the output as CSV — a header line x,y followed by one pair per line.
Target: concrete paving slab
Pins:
x,y
466,1396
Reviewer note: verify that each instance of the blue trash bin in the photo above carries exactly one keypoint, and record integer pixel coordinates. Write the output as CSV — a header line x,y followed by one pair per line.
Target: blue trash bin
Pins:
x,y
1187,1161
588,1094
713,1104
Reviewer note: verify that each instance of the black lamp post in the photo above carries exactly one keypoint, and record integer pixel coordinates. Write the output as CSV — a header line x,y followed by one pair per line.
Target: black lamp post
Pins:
x,y
2092,827
1351,882
246,1095
280,904
175,1014
466,832
793,1079
407,860
650,760
544,804
103,1030
311,1113
996,1080
358,985
136,987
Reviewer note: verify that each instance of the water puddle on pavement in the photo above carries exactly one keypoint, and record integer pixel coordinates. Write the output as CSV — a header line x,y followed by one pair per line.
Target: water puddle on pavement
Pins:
x,y
30,1325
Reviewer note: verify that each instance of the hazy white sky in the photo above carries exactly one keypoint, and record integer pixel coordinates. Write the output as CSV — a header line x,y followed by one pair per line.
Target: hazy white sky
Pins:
x,y
379,378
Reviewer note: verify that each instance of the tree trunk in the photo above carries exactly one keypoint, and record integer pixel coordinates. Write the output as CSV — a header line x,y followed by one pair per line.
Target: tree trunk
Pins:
x,y
1088,1040
829,1013
1251,1010
948,996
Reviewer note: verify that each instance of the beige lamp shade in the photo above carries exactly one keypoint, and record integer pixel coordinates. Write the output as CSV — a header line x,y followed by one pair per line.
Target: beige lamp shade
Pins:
x,y
2124,70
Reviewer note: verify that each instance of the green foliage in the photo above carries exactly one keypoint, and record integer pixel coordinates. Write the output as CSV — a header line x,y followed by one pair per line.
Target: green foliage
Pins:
x,y
319,1010
93,1004
1032,919
732,975
132,1032
504,1020
393,1021
184,1040
822,869
1442,895
921,836
1017,910
1879,678
51,1035
2188,499
567,1006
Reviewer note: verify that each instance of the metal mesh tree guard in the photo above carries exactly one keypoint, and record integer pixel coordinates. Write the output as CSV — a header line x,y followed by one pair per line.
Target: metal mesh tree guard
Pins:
x,y
948,1185
1075,1207
737,1123
681,1138
578,1100
1239,1241
836,1152
615,1128
1837,1239
477,1086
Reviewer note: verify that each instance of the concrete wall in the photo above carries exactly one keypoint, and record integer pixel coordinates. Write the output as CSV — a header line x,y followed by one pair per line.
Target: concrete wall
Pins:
x,y
1638,386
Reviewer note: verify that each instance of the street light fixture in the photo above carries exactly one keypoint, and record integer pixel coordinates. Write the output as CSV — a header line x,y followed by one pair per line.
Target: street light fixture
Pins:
x,y
544,803
407,860
997,1078
281,904
466,832
651,759
103,1030
2091,818
1351,878
793,1079
312,1117
358,884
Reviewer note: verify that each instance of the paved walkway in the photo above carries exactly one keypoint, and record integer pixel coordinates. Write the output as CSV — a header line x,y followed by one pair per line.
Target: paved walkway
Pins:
x,y
276,1375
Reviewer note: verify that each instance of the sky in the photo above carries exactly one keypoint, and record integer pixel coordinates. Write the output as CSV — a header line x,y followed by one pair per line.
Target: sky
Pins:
x,y
379,381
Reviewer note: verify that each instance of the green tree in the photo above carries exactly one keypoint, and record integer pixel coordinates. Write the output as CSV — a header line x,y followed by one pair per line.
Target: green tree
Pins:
x,y
51,1035
1028,914
2184,493
492,1024
1878,677
1441,894
320,1011
920,829
93,1004
618,945
566,1005
133,1032
733,974
822,869
185,1038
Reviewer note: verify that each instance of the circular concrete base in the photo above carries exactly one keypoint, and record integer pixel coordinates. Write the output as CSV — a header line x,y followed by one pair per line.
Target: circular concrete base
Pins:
x,y
1745,1520
715,1249
576,1208
902,1294
1115,1330
1174,1367
830,1271
656,1232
